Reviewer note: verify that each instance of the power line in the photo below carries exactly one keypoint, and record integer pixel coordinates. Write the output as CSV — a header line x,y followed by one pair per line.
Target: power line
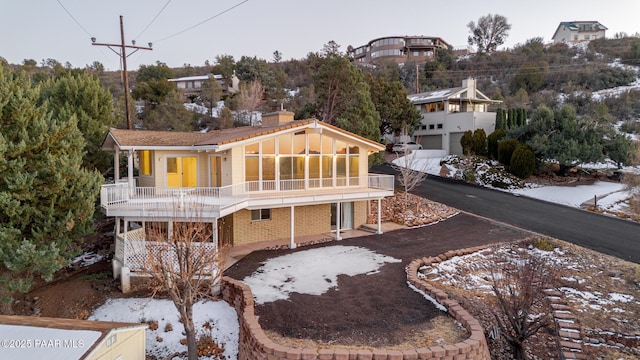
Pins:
x,y
154,19
74,19
202,22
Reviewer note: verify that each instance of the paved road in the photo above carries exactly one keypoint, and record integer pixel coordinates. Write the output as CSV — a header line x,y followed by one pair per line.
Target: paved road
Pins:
x,y
606,234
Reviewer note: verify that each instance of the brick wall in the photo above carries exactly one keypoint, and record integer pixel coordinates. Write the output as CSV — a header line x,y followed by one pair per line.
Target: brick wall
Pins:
x,y
359,214
309,220
254,344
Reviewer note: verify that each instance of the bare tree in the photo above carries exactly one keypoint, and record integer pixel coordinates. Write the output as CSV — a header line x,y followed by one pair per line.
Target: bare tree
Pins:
x,y
211,93
522,306
411,174
184,267
250,99
490,32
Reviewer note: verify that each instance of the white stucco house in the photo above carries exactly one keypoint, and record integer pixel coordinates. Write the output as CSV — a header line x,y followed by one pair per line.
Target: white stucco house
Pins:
x,y
446,114
572,32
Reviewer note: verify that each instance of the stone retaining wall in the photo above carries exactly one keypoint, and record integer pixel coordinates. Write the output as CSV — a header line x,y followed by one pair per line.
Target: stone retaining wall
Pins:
x,y
255,345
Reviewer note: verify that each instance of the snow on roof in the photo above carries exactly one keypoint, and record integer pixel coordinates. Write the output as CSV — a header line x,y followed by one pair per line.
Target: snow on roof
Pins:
x,y
196,77
433,95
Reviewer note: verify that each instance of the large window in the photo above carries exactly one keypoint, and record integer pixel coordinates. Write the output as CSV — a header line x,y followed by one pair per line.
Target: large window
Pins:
x,y
301,160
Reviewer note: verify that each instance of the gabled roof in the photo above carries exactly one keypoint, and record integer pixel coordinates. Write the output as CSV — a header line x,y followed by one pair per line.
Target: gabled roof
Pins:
x,y
216,140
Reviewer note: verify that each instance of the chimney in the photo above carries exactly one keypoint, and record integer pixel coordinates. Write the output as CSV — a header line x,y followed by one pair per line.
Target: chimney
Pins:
x,y
277,118
470,84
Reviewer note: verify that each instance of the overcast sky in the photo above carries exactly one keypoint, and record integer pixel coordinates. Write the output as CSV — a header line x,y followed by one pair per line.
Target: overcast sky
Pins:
x,y
41,29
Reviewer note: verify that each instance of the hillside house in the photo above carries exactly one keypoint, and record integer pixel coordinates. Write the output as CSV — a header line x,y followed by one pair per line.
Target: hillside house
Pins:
x,y
69,339
191,86
446,114
573,32
284,179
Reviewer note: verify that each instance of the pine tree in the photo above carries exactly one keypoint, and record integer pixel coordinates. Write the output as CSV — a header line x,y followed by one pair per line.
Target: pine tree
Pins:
x,y
362,118
82,95
500,123
47,198
391,102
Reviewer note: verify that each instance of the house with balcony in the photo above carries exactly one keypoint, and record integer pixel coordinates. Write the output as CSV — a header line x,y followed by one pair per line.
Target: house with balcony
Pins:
x,y
399,49
191,86
446,114
573,32
284,179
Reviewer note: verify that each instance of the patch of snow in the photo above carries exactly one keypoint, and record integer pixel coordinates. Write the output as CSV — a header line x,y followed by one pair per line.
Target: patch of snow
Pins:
x,y
86,259
426,296
162,343
312,272
623,298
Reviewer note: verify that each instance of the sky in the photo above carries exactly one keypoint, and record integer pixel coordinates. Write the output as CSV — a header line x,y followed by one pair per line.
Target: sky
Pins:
x,y
194,31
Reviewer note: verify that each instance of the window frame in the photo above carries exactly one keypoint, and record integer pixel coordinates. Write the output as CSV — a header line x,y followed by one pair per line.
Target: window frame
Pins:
x,y
261,214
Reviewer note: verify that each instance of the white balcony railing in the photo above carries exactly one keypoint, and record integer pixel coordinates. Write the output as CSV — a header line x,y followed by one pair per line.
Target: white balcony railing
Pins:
x,y
122,197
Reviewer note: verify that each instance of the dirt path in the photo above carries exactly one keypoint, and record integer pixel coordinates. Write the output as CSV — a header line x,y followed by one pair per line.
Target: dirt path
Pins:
x,y
373,310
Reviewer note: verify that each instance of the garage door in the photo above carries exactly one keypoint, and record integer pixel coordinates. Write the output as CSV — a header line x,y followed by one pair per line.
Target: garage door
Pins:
x,y
431,142
454,143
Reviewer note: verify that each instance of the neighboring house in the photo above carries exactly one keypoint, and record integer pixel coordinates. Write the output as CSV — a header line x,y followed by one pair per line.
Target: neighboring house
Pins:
x,y
192,85
399,49
571,32
30,337
448,113
284,179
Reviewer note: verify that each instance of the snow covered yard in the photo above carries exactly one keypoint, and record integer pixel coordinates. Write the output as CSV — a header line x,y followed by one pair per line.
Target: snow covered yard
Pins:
x,y
216,319
611,197
304,272
307,272
602,291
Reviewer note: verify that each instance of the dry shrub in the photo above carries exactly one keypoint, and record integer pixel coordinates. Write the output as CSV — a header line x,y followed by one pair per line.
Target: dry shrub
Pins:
x,y
208,347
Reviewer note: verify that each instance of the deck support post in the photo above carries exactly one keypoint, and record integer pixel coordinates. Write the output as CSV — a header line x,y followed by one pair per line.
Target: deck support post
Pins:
x,y
125,279
338,220
379,217
292,242
116,165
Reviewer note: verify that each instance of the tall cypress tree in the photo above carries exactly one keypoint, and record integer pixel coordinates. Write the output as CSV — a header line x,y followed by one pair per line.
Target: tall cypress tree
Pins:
x,y
47,198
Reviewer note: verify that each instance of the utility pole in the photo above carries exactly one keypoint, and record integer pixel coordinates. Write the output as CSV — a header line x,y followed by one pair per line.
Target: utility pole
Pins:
x,y
123,56
417,80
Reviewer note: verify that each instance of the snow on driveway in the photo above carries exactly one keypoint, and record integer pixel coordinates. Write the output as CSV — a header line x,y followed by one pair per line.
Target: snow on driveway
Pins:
x,y
312,272
576,195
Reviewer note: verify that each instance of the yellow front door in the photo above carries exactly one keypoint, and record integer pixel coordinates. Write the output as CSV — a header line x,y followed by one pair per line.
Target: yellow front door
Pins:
x,y
182,172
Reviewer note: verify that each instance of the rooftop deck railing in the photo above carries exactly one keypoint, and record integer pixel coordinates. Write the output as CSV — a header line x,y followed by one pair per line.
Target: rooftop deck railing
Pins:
x,y
121,196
